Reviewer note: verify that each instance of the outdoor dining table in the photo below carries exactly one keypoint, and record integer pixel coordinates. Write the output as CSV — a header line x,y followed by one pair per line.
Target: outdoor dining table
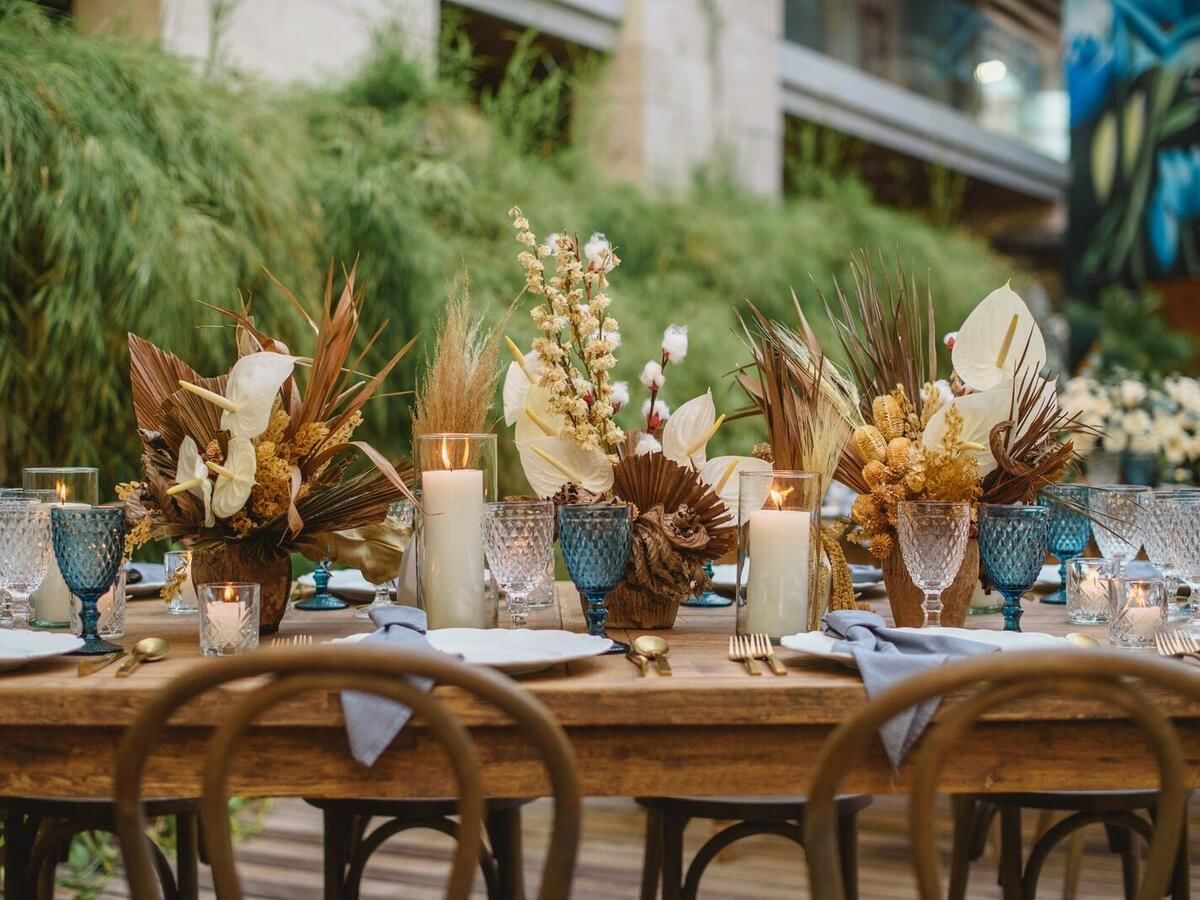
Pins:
x,y
708,729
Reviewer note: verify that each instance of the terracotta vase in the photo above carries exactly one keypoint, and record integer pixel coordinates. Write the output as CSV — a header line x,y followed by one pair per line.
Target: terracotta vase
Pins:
x,y
628,608
237,562
906,598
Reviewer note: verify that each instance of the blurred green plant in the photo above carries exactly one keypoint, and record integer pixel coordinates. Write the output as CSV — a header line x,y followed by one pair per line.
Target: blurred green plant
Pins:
x,y
135,187
1126,332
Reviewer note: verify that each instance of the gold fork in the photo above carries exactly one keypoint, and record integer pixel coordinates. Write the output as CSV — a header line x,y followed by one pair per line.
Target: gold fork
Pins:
x,y
1176,642
739,651
761,645
295,640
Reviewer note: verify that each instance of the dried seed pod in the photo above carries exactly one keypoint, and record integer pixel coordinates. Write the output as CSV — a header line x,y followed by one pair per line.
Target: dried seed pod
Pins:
x,y
915,481
869,443
874,473
897,453
864,511
889,416
882,545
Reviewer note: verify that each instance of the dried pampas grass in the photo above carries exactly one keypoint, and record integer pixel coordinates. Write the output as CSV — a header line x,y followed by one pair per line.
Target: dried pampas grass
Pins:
x,y
460,381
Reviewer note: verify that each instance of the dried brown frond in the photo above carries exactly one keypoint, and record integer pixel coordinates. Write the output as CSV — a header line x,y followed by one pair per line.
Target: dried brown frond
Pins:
x,y
460,381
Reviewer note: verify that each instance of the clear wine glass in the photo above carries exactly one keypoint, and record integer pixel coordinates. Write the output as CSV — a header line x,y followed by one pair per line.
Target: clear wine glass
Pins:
x,y
25,549
933,539
400,520
1157,537
1183,537
1119,514
518,536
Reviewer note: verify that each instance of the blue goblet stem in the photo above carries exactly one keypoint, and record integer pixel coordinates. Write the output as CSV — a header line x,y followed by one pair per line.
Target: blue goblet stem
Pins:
x,y
1012,610
709,597
89,616
597,616
322,600
1059,597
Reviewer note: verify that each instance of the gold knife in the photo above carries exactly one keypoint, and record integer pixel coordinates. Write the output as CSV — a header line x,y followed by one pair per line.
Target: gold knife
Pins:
x,y
92,666
638,660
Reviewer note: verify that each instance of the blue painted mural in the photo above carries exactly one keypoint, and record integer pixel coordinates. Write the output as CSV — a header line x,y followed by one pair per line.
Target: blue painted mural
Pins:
x,y
1133,76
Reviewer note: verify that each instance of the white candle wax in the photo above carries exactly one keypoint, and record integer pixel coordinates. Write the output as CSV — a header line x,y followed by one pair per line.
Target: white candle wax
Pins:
x,y
52,601
777,592
452,551
224,620
1093,592
1144,621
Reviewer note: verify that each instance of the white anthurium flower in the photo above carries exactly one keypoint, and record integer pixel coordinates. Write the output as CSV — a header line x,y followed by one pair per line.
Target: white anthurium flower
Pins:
x,y
254,382
981,412
723,475
521,374
993,340
191,475
535,419
235,478
688,430
550,463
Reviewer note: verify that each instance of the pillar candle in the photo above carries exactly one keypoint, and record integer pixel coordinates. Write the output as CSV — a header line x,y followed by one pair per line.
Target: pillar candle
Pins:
x,y
777,592
52,601
452,548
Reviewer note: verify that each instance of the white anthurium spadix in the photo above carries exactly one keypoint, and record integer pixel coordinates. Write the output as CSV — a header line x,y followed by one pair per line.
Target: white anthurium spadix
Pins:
x,y
191,475
688,431
994,338
551,463
535,419
235,478
981,412
521,375
723,475
250,392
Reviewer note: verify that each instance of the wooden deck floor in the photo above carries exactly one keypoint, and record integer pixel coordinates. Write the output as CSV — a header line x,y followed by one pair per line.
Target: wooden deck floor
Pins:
x,y
284,863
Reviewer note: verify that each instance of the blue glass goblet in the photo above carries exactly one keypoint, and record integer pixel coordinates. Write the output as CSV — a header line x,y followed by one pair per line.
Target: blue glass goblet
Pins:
x,y
709,597
595,544
88,544
322,600
1012,545
1068,530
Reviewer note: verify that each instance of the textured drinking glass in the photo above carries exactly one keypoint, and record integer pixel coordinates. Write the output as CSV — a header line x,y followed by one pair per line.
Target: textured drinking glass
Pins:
x,y
1087,590
178,565
111,606
1012,547
229,614
1118,514
1158,539
1137,612
933,538
1183,536
595,544
88,544
1067,531
518,537
24,556
399,520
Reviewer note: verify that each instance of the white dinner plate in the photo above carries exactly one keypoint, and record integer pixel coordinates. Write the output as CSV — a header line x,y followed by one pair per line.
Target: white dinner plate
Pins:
x,y
516,651
864,578
814,643
19,646
348,584
152,582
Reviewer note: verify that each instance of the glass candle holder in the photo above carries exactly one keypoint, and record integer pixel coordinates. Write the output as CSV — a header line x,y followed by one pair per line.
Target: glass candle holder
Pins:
x,y
111,609
74,487
778,554
457,475
178,565
229,614
1137,612
1087,590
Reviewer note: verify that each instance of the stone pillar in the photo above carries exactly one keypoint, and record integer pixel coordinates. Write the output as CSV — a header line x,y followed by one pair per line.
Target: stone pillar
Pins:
x,y
300,40
692,83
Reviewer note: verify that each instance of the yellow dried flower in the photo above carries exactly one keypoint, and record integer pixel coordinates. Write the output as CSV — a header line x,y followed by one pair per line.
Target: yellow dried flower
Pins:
x,y
864,512
762,450
277,427
882,545
307,438
272,489
874,473
137,535
869,443
241,523
125,488
174,584
212,453
897,453
889,416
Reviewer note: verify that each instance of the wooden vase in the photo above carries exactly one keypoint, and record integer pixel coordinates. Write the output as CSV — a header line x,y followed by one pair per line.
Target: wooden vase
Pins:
x,y
272,572
906,598
628,608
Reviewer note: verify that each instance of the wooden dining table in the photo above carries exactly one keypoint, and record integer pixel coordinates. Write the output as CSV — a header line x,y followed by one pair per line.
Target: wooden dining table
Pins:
x,y
710,728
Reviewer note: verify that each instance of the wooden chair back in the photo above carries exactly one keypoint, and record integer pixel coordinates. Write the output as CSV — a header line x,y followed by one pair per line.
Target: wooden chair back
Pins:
x,y
378,671
978,686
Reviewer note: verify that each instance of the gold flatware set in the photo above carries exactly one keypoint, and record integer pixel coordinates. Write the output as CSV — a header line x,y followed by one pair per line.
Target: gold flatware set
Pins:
x,y
149,649
1176,642
746,648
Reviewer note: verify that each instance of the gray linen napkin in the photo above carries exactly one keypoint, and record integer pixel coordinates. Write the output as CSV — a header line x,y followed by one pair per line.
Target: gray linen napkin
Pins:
x,y
886,656
373,722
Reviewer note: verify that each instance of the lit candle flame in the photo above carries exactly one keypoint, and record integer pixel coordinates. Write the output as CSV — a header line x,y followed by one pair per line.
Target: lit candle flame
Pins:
x,y
229,594
777,497
446,463
60,488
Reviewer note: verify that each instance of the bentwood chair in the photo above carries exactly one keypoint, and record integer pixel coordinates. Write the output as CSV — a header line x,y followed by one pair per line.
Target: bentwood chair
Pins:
x,y
383,672
991,682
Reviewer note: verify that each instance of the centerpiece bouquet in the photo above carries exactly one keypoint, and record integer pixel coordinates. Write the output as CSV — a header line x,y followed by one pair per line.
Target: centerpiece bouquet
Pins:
x,y
992,433
249,466
561,400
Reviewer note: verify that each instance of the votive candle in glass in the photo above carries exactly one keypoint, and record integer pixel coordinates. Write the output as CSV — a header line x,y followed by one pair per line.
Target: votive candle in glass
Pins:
x,y
184,602
458,476
1137,611
72,486
779,533
1087,590
229,616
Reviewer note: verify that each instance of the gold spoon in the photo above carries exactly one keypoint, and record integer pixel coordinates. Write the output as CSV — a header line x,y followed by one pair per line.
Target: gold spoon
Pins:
x,y
149,649
654,647
1079,639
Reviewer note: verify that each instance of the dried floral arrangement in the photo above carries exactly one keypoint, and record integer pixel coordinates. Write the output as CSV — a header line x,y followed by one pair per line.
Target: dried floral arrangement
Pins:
x,y
258,458
560,400
993,433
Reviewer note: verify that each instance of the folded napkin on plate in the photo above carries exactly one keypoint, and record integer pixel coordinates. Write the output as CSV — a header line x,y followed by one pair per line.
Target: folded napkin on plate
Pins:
x,y
373,722
886,656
